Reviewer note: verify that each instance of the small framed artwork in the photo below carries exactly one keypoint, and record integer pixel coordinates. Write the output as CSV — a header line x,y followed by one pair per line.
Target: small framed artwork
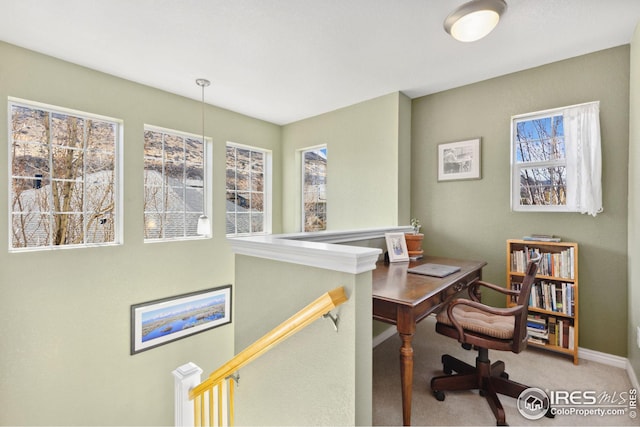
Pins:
x,y
397,247
161,321
459,160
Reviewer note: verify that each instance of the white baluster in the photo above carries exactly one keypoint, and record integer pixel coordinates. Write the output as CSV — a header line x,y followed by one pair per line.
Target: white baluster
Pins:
x,y
186,376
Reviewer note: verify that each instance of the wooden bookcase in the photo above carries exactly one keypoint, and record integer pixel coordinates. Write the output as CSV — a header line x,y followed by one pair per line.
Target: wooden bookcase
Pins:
x,y
553,307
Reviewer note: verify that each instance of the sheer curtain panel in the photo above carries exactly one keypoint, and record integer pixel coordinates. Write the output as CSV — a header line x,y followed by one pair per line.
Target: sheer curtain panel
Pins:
x,y
584,158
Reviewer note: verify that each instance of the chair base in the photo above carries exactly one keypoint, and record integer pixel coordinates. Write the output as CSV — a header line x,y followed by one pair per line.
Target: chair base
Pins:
x,y
490,379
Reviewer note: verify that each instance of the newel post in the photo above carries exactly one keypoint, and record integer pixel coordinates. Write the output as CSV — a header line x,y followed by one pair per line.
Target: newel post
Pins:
x,y
186,377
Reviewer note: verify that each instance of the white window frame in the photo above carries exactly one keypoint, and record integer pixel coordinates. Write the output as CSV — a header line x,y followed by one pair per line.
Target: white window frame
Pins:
x,y
207,192
267,189
582,163
516,167
117,211
302,175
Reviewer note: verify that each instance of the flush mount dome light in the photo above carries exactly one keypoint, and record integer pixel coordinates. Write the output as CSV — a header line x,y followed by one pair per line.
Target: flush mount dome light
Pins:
x,y
474,20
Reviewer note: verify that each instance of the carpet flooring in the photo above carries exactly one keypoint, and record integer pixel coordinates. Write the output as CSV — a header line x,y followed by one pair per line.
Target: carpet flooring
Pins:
x,y
533,367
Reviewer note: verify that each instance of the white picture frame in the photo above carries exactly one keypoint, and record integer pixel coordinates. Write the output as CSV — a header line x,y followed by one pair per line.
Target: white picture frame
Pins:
x,y
396,247
459,160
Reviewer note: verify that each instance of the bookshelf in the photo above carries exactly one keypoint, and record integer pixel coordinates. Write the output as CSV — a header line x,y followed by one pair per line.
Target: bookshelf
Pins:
x,y
553,306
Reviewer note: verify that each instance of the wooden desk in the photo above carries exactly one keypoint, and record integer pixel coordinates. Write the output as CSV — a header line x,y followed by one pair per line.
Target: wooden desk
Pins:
x,y
404,299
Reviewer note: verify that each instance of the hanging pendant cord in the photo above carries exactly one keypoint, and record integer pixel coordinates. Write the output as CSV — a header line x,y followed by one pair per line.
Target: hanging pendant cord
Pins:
x,y
203,83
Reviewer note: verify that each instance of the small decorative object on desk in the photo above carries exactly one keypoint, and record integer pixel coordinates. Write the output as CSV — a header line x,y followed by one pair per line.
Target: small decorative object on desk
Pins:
x,y
542,238
414,240
396,247
415,223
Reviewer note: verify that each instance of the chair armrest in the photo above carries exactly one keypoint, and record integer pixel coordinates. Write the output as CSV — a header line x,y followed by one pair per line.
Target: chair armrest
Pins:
x,y
473,288
511,311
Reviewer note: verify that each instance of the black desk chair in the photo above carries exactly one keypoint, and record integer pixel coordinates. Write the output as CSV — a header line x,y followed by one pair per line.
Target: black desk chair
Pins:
x,y
484,327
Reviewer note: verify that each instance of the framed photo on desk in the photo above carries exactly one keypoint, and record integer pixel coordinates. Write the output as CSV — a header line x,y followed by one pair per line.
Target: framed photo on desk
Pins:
x,y
397,247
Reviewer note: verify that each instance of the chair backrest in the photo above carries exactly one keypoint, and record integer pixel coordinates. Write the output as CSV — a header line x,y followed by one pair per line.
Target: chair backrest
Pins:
x,y
520,327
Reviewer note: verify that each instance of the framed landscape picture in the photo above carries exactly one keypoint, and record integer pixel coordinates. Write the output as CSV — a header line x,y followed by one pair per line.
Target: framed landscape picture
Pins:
x,y
459,160
161,321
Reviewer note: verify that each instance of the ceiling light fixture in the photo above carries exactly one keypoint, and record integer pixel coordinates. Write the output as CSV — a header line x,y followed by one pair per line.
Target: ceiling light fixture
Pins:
x,y
204,225
474,20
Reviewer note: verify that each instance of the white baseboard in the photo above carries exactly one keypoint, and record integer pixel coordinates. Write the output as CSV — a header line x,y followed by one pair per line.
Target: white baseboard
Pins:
x,y
632,376
583,353
610,360
604,358
382,337
391,331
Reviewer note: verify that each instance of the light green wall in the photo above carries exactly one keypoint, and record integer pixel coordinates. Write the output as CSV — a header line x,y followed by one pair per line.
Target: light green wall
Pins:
x,y
472,219
634,205
65,313
404,161
368,182
317,376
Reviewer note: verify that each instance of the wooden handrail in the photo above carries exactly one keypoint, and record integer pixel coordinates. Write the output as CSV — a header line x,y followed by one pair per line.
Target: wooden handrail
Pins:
x,y
298,321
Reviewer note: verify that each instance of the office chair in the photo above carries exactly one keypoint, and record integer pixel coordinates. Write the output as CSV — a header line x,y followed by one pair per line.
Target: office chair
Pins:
x,y
484,327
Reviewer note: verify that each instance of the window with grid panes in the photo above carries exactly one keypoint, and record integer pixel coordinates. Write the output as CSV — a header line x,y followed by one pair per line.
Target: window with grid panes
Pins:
x,y
174,184
248,190
64,185
539,163
314,189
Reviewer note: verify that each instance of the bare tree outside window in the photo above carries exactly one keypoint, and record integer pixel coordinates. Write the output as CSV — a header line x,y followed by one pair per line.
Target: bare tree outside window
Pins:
x,y
63,178
556,160
314,189
540,159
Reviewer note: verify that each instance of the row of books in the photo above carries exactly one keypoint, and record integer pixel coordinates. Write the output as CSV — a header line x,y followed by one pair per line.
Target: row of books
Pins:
x,y
550,296
559,264
551,331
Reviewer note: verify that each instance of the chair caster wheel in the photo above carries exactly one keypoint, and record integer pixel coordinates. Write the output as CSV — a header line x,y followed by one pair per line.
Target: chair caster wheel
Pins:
x,y
447,370
504,375
466,346
439,395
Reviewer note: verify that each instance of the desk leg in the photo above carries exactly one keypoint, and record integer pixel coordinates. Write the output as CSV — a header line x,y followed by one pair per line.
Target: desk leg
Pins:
x,y
406,374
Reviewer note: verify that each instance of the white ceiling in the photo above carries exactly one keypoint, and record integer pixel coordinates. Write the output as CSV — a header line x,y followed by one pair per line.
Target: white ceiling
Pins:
x,y
285,60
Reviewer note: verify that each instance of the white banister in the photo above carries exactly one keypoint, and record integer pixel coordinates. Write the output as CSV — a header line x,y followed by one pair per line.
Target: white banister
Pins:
x,y
319,249
186,377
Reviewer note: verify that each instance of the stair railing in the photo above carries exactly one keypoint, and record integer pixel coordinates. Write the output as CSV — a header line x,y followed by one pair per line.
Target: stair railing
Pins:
x,y
213,399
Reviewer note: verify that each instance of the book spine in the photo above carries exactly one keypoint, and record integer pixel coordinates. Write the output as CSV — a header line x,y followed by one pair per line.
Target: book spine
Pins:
x,y
571,338
553,334
565,334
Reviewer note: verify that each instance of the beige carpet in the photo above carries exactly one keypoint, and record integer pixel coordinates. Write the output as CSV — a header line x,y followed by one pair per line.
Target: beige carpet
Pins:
x,y
533,367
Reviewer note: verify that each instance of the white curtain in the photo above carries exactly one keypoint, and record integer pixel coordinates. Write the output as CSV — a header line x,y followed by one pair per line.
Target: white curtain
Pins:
x,y
584,158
